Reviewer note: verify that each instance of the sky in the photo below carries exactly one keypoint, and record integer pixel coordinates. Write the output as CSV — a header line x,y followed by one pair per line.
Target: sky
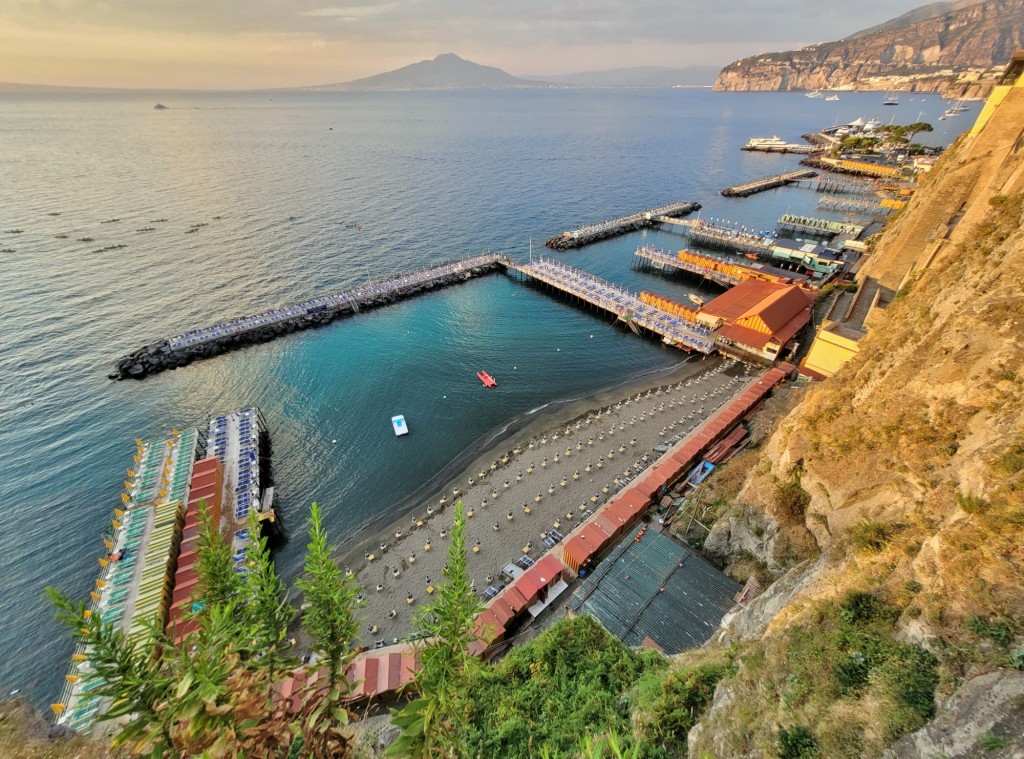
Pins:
x,y
247,44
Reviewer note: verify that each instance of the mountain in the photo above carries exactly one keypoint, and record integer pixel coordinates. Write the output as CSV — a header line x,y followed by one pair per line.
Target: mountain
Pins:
x,y
955,48
445,72
640,76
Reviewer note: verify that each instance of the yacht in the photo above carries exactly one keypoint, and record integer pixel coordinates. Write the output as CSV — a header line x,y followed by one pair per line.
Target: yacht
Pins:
x,y
832,97
813,94
766,143
892,99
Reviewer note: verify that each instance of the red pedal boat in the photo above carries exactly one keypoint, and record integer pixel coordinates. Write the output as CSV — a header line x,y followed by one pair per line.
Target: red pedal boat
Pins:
x,y
487,379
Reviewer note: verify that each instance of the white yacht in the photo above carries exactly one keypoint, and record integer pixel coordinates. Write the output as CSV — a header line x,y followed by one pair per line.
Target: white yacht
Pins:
x,y
813,94
401,428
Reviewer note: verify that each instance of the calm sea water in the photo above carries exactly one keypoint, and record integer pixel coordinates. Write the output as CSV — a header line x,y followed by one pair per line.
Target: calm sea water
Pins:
x,y
281,181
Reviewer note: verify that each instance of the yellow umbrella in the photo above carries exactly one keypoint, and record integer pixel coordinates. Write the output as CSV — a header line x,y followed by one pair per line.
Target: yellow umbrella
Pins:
x,y
138,442
103,562
72,678
131,473
125,497
137,458
175,432
87,613
163,493
116,525
127,485
119,513
57,708
108,543
79,657
101,583
94,595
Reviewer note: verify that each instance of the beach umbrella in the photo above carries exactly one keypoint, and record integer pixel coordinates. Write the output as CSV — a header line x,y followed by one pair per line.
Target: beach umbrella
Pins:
x,y
118,513
175,431
72,678
100,583
131,473
137,458
57,708
94,595
138,442
108,543
125,498
79,657
127,485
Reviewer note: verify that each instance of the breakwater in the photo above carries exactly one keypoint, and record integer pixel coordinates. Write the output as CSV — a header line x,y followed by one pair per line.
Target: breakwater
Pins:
x,y
767,183
575,238
206,342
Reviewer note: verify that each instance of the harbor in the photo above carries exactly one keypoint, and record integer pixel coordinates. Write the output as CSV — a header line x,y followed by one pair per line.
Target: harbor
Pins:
x,y
768,183
206,342
575,238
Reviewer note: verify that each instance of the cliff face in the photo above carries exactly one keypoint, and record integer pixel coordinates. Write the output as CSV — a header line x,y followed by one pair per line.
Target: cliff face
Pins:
x,y
909,470
925,55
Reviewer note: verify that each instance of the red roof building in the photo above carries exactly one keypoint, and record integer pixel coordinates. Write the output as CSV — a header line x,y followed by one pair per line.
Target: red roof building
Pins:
x,y
759,317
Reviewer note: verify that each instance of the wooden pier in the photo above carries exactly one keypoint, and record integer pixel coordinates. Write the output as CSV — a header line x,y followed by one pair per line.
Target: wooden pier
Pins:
x,y
591,233
724,272
650,256
726,238
625,306
204,342
768,183
823,228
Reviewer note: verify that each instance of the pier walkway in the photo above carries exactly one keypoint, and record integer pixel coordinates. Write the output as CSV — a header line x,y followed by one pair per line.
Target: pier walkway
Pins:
x,y
818,227
768,183
590,233
659,259
623,304
204,342
721,271
718,236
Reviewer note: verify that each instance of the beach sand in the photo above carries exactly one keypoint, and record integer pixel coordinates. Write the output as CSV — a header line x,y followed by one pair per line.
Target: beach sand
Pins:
x,y
547,481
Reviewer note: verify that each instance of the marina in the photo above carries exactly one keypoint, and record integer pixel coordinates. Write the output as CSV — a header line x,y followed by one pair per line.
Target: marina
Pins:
x,y
625,306
590,233
768,183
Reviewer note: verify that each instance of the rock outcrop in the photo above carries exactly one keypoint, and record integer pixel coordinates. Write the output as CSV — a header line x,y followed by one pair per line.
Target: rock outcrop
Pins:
x,y
945,53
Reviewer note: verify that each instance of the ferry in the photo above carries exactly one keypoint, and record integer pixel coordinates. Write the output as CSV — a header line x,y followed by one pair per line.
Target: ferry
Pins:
x,y
487,379
401,428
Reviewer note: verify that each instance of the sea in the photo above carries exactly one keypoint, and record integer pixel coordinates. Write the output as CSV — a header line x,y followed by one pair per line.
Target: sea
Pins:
x,y
300,194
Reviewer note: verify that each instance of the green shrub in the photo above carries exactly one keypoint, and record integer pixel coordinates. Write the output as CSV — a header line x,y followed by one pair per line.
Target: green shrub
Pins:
x,y
999,631
791,499
684,695
992,742
797,743
872,536
859,608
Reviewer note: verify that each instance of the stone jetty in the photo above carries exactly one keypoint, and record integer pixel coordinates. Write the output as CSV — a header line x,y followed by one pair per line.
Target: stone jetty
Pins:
x,y
205,342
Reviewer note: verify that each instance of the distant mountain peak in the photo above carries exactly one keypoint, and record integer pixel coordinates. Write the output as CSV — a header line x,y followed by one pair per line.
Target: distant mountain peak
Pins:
x,y
446,71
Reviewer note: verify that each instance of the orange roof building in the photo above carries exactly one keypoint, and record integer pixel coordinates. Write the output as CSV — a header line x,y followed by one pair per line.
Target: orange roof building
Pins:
x,y
759,318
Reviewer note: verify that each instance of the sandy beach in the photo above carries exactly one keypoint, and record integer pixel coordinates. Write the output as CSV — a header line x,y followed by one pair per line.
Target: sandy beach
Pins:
x,y
547,477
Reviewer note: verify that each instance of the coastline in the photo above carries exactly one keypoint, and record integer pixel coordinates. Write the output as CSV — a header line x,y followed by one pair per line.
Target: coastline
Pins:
x,y
572,455
491,445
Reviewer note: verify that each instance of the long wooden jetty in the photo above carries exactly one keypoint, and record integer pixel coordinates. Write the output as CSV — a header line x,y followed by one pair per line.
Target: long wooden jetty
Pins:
x,y
712,235
721,271
768,183
627,307
811,225
650,256
205,342
575,238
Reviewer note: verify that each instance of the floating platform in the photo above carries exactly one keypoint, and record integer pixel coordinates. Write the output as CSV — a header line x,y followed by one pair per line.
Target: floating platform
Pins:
x,y
148,575
204,342
768,183
591,233
626,307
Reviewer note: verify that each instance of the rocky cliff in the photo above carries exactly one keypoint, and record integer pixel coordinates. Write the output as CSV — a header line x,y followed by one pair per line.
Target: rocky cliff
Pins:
x,y
898,484
934,53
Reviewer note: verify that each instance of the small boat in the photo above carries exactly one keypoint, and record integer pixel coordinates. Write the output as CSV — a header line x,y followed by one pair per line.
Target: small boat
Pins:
x,y
695,299
832,98
891,100
401,428
813,94
487,379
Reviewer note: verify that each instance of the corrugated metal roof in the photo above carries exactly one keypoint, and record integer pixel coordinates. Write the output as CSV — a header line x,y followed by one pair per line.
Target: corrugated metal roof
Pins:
x,y
656,588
